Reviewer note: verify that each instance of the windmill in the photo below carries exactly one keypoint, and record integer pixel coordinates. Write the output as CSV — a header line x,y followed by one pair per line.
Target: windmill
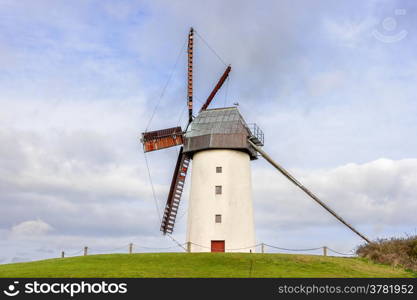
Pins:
x,y
221,145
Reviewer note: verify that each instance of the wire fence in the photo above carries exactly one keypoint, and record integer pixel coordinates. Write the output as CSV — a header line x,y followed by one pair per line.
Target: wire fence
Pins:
x,y
263,248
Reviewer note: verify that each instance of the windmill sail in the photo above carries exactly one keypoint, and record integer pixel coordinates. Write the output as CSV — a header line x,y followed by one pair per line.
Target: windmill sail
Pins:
x,y
161,139
308,192
216,88
170,137
190,75
175,192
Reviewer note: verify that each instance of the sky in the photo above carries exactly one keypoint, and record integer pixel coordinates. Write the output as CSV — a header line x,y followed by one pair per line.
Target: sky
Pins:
x,y
332,85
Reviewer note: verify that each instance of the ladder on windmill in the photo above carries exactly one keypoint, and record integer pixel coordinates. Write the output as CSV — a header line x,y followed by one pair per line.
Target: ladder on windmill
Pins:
x,y
176,190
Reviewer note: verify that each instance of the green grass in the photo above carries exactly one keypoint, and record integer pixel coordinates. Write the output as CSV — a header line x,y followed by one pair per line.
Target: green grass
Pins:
x,y
202,265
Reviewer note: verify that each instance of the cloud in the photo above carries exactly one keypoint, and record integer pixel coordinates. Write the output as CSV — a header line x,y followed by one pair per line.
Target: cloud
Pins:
x,y
326,82
30,229
379,192
349,32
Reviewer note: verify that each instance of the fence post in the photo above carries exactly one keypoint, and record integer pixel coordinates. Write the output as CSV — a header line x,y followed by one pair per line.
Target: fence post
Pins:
x,y
130,248
263,248
85,250
62,254
324,250
188,247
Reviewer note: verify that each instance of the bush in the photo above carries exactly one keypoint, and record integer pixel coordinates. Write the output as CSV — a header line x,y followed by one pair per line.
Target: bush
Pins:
x,y
394,251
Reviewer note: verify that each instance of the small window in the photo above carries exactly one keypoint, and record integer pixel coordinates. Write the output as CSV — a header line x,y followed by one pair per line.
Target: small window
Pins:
x,y
218,218
218,189
218,169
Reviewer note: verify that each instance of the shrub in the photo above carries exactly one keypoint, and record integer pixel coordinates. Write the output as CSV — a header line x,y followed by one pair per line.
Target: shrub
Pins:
x,y
393,251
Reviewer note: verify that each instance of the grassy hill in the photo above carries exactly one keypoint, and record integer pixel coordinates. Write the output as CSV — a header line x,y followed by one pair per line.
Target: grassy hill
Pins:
x,y
202,265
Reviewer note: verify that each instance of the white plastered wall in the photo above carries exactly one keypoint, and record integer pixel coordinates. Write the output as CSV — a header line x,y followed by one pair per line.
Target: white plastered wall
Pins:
x,y
234,204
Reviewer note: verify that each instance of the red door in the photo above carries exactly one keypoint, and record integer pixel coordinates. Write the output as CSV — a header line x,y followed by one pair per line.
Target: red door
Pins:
x,y
217,246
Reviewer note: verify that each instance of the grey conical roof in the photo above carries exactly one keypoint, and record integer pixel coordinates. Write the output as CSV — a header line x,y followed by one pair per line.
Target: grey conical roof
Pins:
x,y
218,121
219,128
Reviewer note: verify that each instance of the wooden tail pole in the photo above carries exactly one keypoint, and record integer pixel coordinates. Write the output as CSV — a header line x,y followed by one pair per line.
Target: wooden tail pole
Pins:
x,y
190,75
314,197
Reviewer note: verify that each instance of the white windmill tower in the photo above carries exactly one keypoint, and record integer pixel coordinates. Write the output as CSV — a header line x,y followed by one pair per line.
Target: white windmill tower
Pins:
x,y
220,214
221,145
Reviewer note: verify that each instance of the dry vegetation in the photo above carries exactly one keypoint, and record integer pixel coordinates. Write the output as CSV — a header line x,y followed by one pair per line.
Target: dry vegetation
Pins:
x,y
395,251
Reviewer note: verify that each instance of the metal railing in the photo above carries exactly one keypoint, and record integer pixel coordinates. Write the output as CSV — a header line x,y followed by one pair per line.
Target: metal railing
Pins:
x,y
257,136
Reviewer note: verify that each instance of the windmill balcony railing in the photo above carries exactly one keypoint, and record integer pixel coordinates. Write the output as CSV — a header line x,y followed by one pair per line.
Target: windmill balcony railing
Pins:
x,y
257,135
